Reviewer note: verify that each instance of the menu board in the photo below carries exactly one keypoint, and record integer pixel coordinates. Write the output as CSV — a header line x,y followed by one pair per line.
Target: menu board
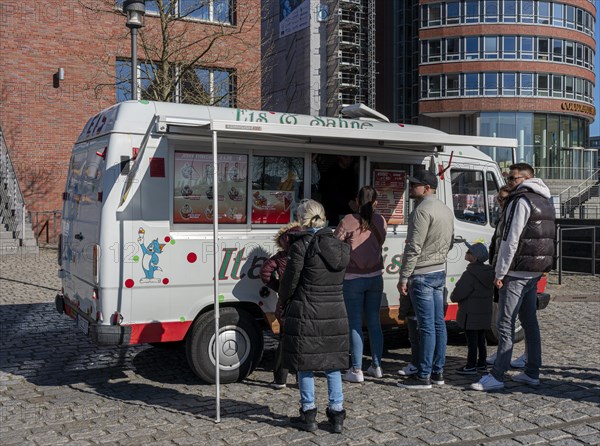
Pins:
x,y
193,188
270,206
390,186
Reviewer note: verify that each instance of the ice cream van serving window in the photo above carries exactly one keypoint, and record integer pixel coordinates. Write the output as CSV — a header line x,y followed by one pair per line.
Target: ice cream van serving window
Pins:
x,y
277,188
193,188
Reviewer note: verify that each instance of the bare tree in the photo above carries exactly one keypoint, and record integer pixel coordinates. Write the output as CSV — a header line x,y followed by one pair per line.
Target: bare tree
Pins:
x,y
181,60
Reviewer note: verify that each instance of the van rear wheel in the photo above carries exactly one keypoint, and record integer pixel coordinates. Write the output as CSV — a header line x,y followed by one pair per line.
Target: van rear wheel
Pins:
x,y
241,343
492,334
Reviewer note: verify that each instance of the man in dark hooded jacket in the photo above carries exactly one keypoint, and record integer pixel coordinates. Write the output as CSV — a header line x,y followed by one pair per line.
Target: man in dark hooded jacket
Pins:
x,y
316,336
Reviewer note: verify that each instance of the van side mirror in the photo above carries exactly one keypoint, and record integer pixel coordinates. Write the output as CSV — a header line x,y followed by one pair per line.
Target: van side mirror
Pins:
x,y
459,239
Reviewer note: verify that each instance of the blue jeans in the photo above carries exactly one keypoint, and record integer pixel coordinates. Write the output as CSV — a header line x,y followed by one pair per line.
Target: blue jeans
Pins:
x,y
518,297
363,297
427,296
306,383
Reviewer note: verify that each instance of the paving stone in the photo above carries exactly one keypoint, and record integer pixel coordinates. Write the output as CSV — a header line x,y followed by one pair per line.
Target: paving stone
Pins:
x,y
530,439
590,439
554,434
565,442
73,391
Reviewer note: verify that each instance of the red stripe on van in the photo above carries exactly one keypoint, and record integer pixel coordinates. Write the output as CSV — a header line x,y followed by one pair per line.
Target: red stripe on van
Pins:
x,y
158,332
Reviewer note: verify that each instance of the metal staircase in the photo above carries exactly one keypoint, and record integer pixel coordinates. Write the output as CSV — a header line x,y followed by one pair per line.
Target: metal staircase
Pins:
x,y
16,235
582,201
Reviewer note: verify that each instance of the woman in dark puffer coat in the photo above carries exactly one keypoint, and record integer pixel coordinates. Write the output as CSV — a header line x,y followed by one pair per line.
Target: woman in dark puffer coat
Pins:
x,y
316,327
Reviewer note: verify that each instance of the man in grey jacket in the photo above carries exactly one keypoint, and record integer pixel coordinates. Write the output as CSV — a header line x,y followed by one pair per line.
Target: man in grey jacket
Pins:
x,y
423,276
525,252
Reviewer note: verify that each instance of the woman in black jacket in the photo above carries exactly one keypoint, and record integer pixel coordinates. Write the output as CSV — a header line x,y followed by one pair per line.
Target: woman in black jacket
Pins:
x,y
316,327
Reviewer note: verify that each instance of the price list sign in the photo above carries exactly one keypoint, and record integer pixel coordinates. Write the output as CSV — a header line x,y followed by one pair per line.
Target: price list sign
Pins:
x,y
390,185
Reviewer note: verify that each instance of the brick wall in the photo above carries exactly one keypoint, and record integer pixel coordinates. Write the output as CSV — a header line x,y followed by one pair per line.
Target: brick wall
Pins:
x,y
41,122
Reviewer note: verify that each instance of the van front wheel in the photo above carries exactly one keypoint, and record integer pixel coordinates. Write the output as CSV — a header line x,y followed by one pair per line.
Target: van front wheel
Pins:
x,y
241,344
492,334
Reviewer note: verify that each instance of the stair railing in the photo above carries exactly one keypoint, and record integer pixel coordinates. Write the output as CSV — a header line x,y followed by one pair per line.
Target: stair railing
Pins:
x,y
574,196
15,202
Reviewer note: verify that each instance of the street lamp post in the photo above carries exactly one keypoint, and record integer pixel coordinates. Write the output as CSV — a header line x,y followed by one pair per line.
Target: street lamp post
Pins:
x,y
135,10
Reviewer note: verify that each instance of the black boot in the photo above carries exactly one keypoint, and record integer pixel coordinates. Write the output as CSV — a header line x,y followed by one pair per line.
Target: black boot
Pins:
x,y
309,419
336,418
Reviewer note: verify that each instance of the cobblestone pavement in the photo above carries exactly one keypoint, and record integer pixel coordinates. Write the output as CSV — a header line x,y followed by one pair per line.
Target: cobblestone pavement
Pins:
x,y
58,388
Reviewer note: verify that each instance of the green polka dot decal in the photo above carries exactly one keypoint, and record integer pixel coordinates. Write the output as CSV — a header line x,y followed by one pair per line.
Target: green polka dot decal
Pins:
x,y
144,101
136,259
181,319
221,298
451,279
172,242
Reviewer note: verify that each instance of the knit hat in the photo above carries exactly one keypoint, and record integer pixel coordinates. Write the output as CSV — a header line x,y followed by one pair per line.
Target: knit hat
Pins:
x,y
479,251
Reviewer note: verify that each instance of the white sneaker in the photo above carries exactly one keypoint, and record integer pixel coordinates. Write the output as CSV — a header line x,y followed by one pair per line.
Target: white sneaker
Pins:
x,y
525,379
375,371
491,359
488,382
354,375
409,370
520,362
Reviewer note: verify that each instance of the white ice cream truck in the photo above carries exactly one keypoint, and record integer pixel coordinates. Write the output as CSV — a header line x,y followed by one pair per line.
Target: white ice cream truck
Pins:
x,y
137,249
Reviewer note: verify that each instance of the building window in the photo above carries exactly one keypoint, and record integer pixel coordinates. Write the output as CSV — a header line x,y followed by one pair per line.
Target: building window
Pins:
x,y
557,86
509,84
208,86
452,85
471,84
526,84
472,48
570,18
491,11
490,84
432,14
472,11
212,11
558,14
509,47
569,90
527,14
557,52
509,13
452,12
543,47
434,87
490,47
543,85
435,50
569,52
543,15
220,11
453,48
526,48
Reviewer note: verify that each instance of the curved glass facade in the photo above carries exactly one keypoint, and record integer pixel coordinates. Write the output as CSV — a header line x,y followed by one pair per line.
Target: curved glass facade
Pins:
x,y
466,12
507,47
554,144
506,83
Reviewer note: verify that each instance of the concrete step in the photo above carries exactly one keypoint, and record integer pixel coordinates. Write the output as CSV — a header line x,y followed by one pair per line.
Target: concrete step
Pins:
x,y
18,250
6,235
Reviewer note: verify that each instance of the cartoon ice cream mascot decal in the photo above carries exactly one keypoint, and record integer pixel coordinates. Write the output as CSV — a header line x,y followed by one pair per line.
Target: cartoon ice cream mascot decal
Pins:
x,y
150,257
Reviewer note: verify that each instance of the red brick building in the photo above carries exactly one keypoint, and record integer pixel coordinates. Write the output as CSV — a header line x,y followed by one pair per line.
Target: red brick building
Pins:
x,y
41,116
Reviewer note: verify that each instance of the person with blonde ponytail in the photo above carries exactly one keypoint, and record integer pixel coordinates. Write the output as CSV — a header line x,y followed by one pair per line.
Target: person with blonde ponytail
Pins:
x,y
365,232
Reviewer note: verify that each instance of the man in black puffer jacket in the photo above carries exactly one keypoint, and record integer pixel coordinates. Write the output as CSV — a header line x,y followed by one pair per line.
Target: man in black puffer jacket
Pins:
x,y
524,253
316,333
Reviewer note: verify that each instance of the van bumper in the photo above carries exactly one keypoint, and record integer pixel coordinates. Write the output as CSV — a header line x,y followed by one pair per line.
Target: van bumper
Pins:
x,y
99,334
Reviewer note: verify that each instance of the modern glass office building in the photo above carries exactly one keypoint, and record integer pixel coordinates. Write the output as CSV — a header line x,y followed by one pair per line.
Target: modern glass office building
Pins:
x,y
509,68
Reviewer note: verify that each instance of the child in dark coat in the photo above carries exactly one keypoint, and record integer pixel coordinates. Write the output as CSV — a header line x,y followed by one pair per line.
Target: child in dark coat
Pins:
x,y
271,273
474,293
